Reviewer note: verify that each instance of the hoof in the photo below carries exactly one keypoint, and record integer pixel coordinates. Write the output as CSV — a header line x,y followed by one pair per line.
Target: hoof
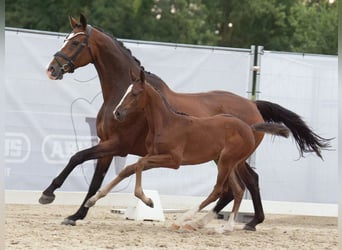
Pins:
x,y
219,230
150,203
46,199
224,229
249,228
68,222
189,227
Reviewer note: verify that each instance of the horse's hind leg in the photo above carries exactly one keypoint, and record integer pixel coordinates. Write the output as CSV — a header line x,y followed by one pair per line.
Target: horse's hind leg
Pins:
x,y
251,179
99,174
225,167
234,189
238,190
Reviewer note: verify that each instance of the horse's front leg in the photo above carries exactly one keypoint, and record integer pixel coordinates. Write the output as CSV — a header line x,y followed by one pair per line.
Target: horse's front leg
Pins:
x,y
152,161
144,163
102,166
100,150
127,171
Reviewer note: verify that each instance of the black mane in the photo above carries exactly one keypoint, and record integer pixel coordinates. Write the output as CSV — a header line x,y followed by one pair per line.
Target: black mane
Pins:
x,y
120,43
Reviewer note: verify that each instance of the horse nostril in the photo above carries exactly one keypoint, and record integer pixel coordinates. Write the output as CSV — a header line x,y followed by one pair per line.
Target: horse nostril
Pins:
x,y
51,69
117,114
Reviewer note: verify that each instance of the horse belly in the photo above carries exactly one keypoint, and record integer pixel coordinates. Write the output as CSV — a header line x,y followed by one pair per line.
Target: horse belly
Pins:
x,y
202,148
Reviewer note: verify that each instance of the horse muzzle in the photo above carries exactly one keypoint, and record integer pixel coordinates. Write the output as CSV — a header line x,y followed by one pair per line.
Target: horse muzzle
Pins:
x,y
120,115
54,72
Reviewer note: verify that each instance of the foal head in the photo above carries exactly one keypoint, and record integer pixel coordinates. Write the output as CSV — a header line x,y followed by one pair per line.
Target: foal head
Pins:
x,y
75,51
134,99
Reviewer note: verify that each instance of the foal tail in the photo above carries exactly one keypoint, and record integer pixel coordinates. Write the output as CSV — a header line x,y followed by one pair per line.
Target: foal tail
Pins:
x,y
307,141
272,128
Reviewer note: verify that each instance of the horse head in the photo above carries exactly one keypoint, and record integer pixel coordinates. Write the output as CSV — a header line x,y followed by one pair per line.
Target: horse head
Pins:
x,y
75,51
134,98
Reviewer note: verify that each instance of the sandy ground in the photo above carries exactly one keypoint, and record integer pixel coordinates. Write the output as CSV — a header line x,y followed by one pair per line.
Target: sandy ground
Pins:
x,y
38,227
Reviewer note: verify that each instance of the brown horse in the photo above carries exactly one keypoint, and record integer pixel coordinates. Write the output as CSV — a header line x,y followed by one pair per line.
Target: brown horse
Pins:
x,y
112,60
176,139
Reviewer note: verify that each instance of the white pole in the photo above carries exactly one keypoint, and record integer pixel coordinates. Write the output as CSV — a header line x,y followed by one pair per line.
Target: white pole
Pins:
x,y
253,89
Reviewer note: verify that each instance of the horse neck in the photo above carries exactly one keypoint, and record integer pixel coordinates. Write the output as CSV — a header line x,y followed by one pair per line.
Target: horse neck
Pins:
x,y
158,83
158,112
112,64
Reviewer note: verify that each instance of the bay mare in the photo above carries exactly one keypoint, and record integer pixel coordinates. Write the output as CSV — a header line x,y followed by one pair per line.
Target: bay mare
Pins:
x,y
86,44
176,139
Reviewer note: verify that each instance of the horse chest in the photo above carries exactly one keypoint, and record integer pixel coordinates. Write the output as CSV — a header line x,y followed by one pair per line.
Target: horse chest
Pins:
x,y
105,122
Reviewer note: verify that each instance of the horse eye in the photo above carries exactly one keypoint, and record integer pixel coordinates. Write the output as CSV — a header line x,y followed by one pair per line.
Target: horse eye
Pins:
x,y
75,43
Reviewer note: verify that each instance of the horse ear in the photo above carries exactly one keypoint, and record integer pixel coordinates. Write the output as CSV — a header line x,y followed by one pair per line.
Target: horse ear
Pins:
x,y
83,21
73,22
142,76
132,75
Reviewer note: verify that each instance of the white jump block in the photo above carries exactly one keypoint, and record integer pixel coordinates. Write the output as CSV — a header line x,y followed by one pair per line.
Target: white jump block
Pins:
x,y
144,212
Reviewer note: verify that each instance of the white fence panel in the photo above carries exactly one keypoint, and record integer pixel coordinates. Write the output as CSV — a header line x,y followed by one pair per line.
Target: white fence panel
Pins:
x,y
47,121
307,85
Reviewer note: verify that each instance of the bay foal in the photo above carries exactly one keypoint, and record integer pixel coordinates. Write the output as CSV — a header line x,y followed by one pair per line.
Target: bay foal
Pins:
x,y
176,139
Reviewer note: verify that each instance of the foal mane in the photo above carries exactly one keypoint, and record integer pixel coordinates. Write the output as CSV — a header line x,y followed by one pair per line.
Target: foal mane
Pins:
x,y
167,103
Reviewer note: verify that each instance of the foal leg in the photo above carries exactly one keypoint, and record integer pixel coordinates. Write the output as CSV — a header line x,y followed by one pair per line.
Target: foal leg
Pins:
x,y
234,188
127,171
238,191
165,160
144,163
251,181
225,166
211,213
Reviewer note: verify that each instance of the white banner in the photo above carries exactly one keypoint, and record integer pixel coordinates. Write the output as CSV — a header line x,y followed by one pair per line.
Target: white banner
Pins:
x,y
48,121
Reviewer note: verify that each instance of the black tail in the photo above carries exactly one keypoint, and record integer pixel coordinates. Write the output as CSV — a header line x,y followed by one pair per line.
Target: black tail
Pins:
x,y
272,128
306,139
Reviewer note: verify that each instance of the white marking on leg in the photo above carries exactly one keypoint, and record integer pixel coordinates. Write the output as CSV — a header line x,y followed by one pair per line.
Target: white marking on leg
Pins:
x,y
230,223
228,226
188,215
206,219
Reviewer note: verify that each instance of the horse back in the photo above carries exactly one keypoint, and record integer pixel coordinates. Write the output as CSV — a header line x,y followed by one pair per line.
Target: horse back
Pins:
x,y
215,102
